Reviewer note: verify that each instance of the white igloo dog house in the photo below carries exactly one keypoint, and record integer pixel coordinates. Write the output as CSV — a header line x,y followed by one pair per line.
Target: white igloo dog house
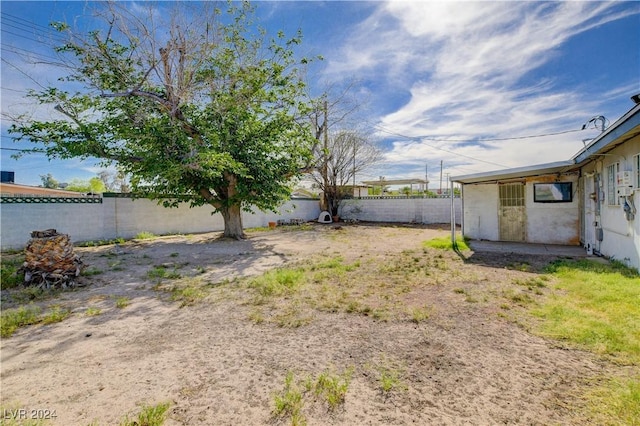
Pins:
x,y
324,217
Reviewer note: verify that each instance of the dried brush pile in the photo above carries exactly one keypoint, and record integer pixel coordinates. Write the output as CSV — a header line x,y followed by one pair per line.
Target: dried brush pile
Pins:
x,y
50,261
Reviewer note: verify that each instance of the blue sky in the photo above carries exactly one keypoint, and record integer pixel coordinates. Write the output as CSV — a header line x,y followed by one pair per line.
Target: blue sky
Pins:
x,y
462,83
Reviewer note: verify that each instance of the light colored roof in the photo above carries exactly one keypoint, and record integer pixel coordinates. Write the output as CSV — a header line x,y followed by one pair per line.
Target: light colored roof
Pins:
x,y
518,172
17,189
623,129
386,182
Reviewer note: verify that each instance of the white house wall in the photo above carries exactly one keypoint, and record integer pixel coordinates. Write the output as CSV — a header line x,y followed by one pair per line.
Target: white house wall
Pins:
x,y
621,238
553,223
546,223
480,204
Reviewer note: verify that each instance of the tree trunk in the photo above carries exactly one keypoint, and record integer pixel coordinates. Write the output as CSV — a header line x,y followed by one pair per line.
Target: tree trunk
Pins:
x,y
232,216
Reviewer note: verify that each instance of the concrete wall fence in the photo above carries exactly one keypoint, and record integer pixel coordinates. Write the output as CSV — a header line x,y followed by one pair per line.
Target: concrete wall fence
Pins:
x,y
109,217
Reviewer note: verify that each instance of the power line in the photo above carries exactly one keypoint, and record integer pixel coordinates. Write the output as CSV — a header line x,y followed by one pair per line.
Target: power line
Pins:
x,y
436,147
434,139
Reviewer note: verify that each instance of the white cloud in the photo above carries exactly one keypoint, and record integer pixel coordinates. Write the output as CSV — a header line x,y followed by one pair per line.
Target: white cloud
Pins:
x,y
463,64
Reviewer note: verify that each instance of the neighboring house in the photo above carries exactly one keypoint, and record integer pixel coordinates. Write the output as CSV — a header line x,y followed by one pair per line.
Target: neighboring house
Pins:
x,y
590,199
26,190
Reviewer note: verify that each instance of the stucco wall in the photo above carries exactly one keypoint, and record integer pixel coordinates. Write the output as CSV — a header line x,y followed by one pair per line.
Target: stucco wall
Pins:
x,y
621,238
86,221
553,223
480,211
405,210
548,223
126,217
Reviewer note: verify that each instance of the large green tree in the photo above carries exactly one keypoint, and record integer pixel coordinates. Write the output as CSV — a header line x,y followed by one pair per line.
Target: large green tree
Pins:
x,y
194,104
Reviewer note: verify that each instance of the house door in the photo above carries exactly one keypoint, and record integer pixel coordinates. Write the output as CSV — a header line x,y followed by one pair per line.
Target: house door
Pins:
x,y
591,212
512,213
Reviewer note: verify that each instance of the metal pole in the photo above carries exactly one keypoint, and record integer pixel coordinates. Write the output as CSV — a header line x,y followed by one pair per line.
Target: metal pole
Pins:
x,y
453,219
440,177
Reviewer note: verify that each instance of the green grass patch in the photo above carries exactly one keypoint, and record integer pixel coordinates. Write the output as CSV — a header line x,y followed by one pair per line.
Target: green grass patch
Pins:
x,y
11,320
122,302
188,292
331,387
99,243
596,306
616,402
56,314
420,314
9,275
92,312
279,282
150,415
328,388
144,235
158,273
444,243
289,402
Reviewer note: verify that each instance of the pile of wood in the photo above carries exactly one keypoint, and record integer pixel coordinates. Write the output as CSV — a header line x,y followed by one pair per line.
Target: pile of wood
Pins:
x,y
50,261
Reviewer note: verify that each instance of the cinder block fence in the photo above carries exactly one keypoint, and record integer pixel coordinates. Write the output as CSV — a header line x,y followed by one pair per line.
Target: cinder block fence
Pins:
x,y
115,215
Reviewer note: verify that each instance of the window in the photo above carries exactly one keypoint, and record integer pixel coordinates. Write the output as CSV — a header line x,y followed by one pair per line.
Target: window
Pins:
x,y
612,197
636,170
558,192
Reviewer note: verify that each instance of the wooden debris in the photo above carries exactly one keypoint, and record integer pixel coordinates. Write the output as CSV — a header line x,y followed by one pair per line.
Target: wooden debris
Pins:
x,y
50,261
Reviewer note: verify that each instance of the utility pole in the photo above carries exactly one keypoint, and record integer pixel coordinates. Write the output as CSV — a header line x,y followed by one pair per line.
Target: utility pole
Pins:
x,y
448,179
325,177
354,169
440,177
426,179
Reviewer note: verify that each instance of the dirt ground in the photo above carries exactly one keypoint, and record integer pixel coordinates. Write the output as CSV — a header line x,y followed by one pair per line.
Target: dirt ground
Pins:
x,y
223,359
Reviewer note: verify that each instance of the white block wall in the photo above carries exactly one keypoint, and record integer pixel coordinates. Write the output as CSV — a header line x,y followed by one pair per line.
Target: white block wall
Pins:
x,y
126,217
405,210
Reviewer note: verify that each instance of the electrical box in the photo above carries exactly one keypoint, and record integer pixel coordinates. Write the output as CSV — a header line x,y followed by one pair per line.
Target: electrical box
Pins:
x,y
624,184
624,179
624,191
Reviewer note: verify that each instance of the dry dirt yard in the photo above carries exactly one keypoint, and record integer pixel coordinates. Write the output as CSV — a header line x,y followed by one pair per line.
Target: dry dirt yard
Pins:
x,y
416,335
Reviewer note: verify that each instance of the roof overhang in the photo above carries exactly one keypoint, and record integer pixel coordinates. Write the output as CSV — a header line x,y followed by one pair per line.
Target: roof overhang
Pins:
x,y
625,128
385,182
518,172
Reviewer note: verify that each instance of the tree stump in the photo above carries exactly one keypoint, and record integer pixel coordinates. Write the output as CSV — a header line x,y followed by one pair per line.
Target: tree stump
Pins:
x,y
50,261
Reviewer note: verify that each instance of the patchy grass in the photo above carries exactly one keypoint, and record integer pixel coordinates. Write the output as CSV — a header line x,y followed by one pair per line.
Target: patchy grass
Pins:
x,y
289,402
122,302
56,314
158,273
92,311
378,289
150,415
595,306
420,314
278,282
13,319
615,402
328,388
144,235
9,275
188,291
444,243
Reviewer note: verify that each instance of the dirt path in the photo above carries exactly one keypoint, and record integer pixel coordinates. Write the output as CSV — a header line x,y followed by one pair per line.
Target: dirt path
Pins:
x,y
468,363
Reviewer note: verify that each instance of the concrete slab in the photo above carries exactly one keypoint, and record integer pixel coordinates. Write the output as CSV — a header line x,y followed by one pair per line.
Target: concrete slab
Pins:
x,y
527,248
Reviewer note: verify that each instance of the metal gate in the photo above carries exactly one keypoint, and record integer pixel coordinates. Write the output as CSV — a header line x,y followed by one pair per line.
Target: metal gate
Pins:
x,y
512,213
